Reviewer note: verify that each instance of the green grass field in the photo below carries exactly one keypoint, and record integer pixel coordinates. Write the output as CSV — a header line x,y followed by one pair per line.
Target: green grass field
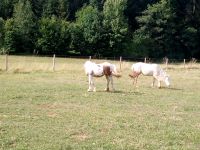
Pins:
x,y
45,110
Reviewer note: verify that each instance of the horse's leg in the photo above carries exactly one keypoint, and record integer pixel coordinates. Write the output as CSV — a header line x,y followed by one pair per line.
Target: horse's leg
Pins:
x,y
159,84
135,77
111,79
108,81
133,81
93,86
152,85
90,83
158,80
136,81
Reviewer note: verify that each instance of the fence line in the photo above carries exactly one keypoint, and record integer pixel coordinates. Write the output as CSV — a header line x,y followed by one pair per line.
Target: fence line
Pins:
x,y
165,60
148,59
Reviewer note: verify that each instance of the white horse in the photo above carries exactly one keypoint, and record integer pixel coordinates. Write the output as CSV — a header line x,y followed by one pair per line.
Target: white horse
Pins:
x,y
99,70
149,70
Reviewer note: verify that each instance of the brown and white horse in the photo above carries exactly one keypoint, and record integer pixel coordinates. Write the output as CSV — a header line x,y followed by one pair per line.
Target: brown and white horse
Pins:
x,y
99,70
149,70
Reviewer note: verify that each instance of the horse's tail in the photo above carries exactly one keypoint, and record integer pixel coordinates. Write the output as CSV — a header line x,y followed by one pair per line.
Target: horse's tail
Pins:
x,y
115,73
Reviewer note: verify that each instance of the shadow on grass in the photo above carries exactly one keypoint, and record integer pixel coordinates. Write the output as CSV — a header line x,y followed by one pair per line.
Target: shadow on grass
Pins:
x,y
172,88
121,92
103,91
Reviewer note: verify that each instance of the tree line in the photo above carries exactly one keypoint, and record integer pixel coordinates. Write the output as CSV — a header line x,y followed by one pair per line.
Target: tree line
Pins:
x,y
145,28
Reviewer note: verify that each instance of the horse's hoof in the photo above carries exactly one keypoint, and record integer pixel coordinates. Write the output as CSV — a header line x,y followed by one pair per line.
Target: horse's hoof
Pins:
x,y
89,90
94,90
106,89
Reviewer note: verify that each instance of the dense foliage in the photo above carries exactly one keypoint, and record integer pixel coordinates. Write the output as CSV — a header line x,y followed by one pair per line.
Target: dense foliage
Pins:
x,y
150,28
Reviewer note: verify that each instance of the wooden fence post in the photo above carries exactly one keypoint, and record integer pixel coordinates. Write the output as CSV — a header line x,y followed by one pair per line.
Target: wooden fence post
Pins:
x,y
6,62
54,57
145,59
120,63
166,63
184,63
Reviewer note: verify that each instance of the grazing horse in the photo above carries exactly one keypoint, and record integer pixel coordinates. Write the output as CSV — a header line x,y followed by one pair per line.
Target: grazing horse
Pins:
x,y
149,70
99,70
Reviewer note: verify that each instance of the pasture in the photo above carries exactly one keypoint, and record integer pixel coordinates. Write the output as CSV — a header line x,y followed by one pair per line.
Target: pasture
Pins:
x,y
42,109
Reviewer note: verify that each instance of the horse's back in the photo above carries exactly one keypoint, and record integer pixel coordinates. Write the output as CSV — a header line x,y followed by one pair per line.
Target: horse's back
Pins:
x,y
99,70
137,67
146,69
152,70
92,68
111,66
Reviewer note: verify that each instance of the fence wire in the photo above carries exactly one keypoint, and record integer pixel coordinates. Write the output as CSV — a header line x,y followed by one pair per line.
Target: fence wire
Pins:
x,y
58,62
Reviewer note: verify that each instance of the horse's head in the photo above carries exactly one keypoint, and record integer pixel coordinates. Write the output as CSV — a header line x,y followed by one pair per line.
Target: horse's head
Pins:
x,y
167,80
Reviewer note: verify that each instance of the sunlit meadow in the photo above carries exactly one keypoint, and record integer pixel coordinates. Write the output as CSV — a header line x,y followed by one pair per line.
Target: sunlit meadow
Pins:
x,y
42,109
